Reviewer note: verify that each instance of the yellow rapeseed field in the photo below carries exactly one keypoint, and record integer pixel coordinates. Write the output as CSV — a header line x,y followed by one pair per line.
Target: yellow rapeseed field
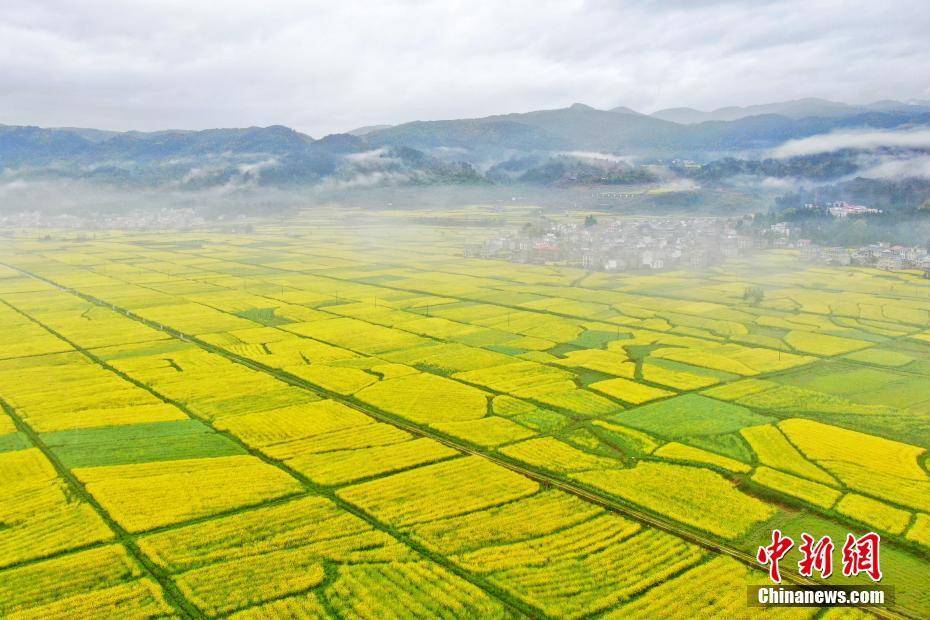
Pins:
x,y
342,416
149,495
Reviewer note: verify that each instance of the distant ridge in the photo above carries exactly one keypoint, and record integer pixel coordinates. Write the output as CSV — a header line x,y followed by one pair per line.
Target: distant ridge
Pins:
x,y
622,109
367,129
795,109
623,131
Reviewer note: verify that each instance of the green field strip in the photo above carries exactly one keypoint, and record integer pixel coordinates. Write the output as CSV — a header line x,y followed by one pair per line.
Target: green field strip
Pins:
x,y
138,443
831,418
14,441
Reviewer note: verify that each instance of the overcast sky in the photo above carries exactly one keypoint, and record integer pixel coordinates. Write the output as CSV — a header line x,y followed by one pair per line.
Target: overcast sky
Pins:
x,y
322,67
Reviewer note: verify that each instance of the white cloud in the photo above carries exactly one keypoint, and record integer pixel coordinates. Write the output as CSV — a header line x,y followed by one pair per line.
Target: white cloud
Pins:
x,y
681,185
375,158
890,168
365,179
324,66
596,156
254,169
860,139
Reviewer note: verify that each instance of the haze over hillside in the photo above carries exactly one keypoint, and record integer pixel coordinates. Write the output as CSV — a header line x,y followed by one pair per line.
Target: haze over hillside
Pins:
x,y
577,143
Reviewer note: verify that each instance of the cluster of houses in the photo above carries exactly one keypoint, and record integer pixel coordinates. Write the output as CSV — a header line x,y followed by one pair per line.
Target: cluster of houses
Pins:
x,y
622,245
673,243
841,209
880,255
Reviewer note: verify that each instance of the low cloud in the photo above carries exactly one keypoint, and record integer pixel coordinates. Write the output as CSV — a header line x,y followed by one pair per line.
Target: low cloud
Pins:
x,y
253,170
893,168
83,200
861,139
597,156
783,184
681,185
376,158
376,178
377,167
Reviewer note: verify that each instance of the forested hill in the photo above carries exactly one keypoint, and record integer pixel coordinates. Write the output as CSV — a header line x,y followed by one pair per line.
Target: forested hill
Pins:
x,y
544,146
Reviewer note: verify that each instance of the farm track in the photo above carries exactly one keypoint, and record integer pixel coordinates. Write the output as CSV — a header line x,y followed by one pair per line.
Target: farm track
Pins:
x,y
590,496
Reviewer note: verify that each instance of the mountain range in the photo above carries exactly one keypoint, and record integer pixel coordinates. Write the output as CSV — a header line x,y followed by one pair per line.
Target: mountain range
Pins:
x,y
624,131
798,108
457,151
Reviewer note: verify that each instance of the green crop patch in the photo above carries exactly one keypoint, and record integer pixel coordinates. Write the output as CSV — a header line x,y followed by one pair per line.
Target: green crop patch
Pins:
x,y
728,444
689,414
138,443
264,316
13,441
597,339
